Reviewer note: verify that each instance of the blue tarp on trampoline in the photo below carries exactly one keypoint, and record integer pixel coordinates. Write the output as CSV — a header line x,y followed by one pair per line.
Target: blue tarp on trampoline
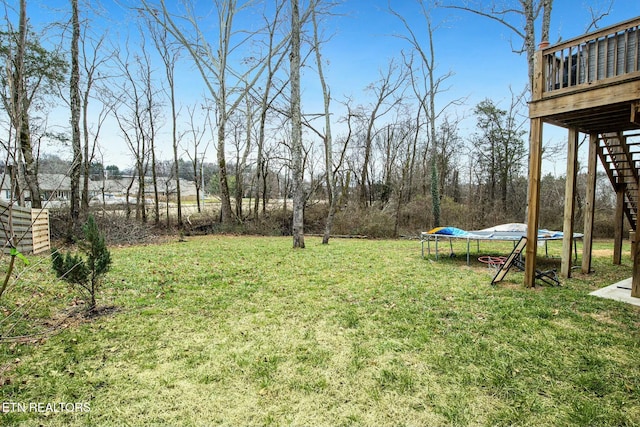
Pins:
x,y
503,232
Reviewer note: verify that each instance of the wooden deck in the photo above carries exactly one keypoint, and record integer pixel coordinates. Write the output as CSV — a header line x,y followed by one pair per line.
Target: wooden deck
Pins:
x,y
590,83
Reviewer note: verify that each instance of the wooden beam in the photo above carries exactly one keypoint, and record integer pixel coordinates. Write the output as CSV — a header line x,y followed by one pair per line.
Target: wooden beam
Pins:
x,y
591,36
569,202
587,241
635,281
538,77
628,91
618,225
635,113
533,201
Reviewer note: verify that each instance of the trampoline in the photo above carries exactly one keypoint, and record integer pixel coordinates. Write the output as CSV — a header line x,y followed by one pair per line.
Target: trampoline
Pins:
x,y
504,232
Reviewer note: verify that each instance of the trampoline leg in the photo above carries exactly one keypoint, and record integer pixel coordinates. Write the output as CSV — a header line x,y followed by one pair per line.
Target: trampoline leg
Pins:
x,y
468,243
436,248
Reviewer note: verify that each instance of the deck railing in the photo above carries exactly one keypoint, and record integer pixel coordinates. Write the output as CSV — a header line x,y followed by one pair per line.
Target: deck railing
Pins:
x,y
601,57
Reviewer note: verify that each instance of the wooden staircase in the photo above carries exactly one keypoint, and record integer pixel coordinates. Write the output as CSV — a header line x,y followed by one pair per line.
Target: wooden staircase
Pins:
x,y
621,160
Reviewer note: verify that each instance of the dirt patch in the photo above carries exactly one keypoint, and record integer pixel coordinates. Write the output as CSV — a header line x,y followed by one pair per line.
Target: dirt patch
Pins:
x,y
71,317
603,318
602,252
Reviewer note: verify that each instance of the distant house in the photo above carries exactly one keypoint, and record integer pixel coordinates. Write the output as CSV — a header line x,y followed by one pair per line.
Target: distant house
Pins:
x,y
55,189
5,187
166,187
58,187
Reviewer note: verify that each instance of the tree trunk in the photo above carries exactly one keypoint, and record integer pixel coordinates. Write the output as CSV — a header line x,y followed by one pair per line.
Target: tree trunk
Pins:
x,y
260,161
176,159
30,171
86,158
328,139
76,165
154,179
296,130
197,178
21,114
127,195
225,198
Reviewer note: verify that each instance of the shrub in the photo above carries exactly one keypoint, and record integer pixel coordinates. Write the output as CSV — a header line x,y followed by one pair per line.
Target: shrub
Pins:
x,y
85,272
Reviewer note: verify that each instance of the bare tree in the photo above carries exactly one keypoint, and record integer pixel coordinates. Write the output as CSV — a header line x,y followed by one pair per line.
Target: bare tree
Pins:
x,y
138,94
135,113
273,62
152,112
449,145
296,129
426,90
21,110
327,138
510,14
396,145
74,88
92,63
228,86
597,15
386,97
169,52
196,157
242,154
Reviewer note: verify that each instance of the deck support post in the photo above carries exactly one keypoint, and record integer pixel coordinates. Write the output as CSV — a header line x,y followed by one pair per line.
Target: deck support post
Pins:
x,y
533,201
618,224
587,241
635,281
569,202
635,113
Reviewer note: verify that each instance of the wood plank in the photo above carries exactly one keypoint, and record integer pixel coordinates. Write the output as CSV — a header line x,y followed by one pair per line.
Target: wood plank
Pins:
x,y
635,281
595,97
538,77
30,228
603,32
40,230
587,240
618,225
569,203
533,201
635,113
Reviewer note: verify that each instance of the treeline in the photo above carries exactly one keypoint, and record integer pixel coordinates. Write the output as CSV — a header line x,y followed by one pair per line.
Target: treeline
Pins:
x,y
391,162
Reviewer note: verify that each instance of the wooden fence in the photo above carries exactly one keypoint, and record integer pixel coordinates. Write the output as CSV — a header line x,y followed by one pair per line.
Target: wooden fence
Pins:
x,y
29,226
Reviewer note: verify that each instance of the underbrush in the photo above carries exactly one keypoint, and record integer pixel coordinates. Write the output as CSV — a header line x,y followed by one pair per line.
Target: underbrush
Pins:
x,y
377,221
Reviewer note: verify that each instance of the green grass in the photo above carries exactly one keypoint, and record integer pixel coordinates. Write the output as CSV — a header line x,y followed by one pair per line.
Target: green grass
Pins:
x,y
247,331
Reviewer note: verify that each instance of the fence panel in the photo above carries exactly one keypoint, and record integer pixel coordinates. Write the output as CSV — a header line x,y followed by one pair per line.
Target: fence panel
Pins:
x,y
40,230
30,227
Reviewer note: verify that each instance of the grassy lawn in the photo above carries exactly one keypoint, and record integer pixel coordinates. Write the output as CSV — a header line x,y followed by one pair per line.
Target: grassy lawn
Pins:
x,y
247,331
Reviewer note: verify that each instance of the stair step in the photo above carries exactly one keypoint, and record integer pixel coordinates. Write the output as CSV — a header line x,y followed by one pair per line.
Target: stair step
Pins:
x,y
621,159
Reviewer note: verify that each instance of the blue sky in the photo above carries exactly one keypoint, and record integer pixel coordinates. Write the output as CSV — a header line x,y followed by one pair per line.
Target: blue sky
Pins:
x,y
474,49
